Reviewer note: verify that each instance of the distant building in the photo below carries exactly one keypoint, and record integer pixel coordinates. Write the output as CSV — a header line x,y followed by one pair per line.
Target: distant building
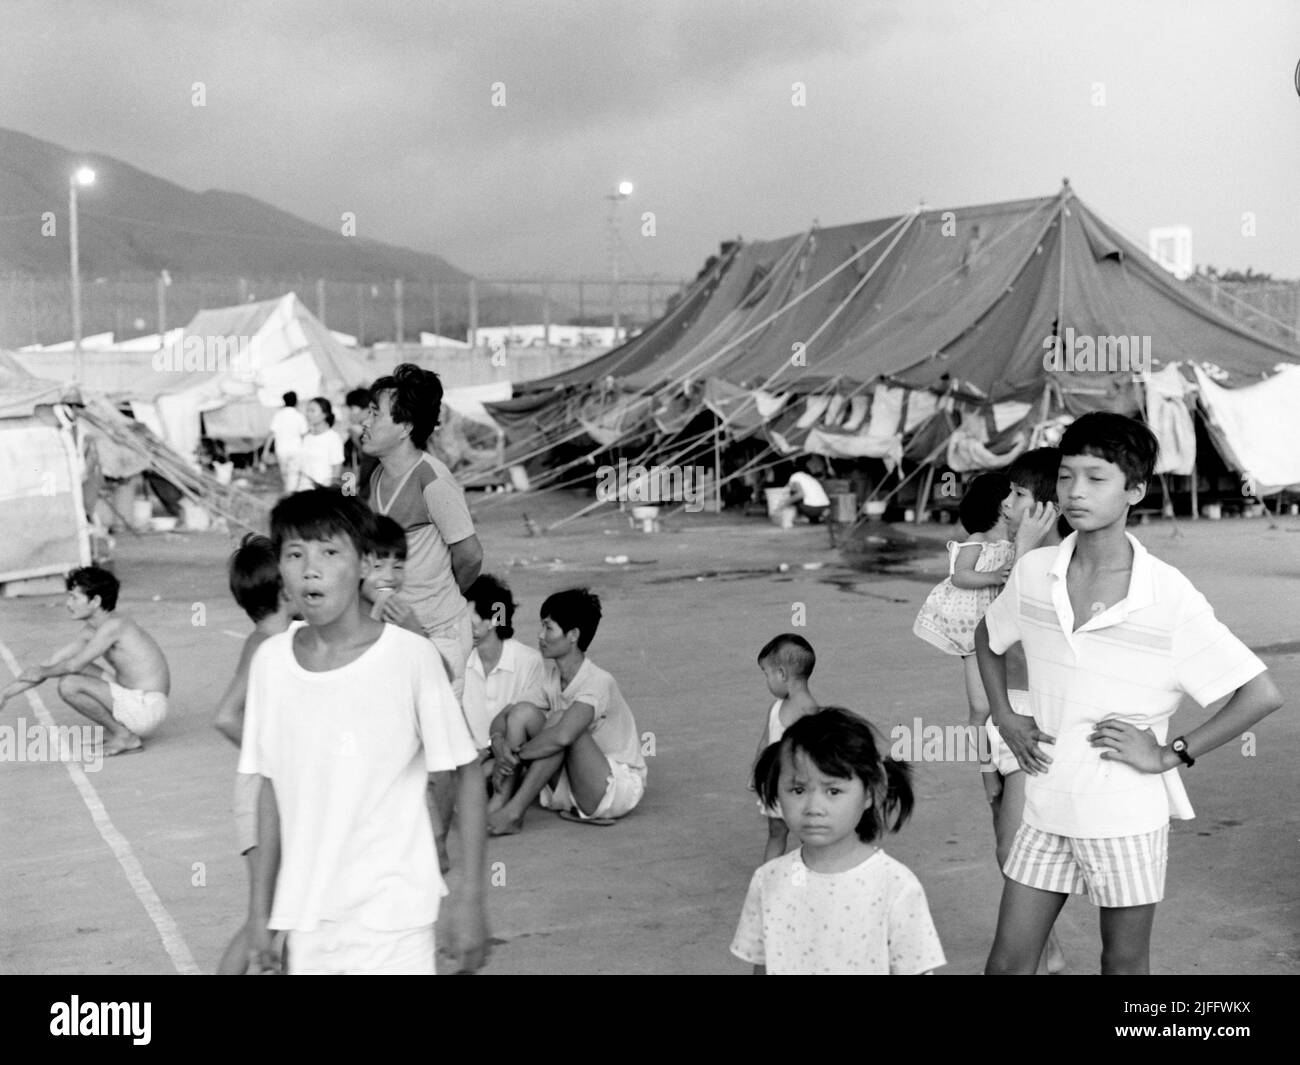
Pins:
x,y
561,336
1171,247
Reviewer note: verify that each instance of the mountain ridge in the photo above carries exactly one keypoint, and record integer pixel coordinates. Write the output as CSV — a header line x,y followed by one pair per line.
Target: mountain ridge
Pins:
x,y
135,224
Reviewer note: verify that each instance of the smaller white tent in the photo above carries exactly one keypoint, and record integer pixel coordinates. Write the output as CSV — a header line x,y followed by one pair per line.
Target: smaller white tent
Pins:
x,y
43,526
230,364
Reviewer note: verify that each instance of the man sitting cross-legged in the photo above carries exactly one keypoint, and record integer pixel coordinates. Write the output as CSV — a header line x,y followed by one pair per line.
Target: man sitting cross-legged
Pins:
x,y
581,753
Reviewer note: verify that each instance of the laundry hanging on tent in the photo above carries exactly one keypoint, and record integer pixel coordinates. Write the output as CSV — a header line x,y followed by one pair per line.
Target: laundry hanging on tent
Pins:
x,y
813,411
920,406
968,451
834,411
607,423
1256,427
768,404
1010,413
840,445
1170,419
858,407
886,411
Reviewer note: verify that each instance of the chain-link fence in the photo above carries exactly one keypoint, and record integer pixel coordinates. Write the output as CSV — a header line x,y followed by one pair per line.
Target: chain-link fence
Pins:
x,y
1268,307
38,310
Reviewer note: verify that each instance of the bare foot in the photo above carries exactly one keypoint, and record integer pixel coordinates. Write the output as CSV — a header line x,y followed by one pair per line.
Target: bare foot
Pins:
x,y
124,745
499,824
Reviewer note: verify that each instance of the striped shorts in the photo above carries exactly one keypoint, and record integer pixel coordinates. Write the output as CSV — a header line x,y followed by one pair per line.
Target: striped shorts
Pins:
x,y
1122,871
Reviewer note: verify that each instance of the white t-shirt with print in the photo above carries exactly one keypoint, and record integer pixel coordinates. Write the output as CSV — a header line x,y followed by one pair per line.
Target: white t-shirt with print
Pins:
x,y
872,919
348,752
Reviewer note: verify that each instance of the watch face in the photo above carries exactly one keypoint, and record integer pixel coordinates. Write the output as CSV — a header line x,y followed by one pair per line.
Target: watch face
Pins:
x,y
1179,745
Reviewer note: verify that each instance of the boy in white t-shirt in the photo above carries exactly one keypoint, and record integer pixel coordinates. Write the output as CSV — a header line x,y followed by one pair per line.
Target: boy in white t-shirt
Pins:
x,y
1113,639
345,719
581,754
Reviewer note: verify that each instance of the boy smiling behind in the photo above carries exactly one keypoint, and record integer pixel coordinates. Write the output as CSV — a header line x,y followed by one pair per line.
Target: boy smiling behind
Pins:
x,y
1113,639
345,718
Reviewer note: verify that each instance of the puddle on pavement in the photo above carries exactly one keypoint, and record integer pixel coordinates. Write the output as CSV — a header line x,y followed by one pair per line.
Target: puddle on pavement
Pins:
x,y
889,554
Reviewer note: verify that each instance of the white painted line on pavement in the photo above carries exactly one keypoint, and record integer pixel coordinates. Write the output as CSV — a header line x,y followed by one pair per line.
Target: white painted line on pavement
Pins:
x,y
172,940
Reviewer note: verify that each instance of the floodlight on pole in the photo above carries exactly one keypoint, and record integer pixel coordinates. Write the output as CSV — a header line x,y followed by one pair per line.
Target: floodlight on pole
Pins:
x,y
621,193
83,177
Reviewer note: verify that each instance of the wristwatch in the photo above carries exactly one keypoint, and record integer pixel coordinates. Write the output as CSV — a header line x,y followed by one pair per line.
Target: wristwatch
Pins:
x,y
1179,747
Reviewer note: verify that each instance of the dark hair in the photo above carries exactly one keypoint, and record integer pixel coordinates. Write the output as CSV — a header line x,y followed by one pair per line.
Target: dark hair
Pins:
x,y
358,397
791,652
290,399
1036,470
416,400
387,538
326,408
1126,442
94,581
574,608
254,574
319,514
491,596
841,744
982,504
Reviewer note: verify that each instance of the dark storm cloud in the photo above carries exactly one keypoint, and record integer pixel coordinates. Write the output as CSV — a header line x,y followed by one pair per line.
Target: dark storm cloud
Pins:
x,y
384,109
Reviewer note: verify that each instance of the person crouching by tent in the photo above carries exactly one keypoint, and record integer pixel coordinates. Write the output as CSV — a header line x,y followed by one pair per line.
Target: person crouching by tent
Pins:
x,y
805,492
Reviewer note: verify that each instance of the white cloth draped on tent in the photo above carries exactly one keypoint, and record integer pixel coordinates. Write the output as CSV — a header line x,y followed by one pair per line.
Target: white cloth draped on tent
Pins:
x,y
1256,427
1170,419
967,450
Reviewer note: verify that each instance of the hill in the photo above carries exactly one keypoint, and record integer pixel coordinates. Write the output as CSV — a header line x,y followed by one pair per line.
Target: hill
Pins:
x,y
135,224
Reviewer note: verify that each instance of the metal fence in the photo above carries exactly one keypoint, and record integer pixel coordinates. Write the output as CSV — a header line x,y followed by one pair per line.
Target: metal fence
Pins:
x,y
38,310
1268,307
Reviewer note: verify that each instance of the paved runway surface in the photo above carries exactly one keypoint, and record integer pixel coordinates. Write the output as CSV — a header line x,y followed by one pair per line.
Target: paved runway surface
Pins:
x,y
132,869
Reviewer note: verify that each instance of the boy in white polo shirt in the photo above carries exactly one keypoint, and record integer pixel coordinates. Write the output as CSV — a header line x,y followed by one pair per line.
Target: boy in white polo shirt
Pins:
x,y
345,718
581,753
1113,639
501,671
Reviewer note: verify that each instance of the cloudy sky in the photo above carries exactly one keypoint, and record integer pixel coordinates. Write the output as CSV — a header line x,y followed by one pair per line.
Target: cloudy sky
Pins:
x,y
1160,112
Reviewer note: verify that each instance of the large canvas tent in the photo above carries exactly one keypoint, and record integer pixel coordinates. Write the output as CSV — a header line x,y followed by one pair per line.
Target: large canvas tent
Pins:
x,y
43,526
230,364
940,334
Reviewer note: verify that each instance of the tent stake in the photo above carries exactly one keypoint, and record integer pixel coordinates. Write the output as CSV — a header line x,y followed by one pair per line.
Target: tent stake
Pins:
x,y
717,464
925,495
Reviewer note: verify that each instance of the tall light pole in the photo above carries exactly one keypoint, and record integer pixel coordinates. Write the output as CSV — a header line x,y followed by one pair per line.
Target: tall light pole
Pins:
x,y
624,190
83,177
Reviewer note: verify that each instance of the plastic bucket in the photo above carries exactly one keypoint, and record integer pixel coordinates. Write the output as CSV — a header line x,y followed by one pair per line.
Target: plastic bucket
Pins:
x,y
194,516
844,507
779,509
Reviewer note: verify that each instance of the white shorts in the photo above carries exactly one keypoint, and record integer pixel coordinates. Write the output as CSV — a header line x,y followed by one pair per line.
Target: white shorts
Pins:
x,y
140,711
248,786
1121,871
1003,760
454,642
346,948
623,790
